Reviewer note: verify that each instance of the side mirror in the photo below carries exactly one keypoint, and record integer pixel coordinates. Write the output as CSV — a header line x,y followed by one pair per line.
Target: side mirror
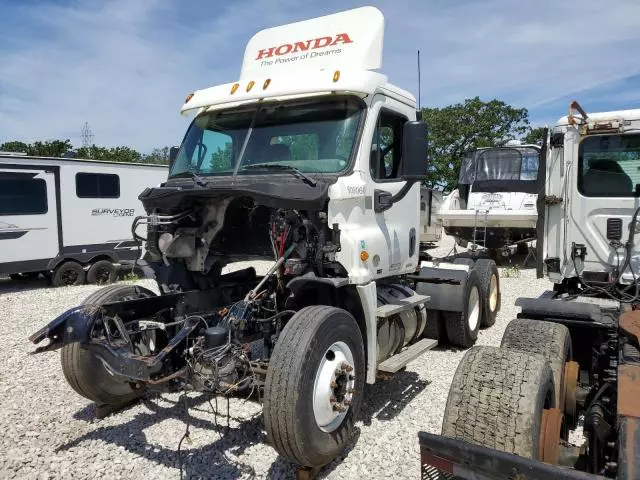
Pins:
x,y
173,154
414,151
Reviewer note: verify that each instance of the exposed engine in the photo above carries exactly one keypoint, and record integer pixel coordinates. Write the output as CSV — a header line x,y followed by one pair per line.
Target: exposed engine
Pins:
x,y
221,353
213,331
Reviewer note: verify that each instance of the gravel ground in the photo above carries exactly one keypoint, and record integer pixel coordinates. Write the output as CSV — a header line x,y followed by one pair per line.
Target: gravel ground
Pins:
x,y
49,431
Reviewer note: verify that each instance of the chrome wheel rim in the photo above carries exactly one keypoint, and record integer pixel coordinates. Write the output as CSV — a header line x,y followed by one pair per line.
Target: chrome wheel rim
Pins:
x,y
473,308
493,293
333,387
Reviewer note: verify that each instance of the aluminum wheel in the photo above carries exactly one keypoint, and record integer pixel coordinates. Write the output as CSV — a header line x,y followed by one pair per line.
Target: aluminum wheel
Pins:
x,y
333,387
474,308
493,293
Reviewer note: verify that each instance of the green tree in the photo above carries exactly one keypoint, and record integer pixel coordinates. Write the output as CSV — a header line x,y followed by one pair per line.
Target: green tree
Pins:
x,y
14,147
49,148
534,136
158,155
113,154
221,158
456,129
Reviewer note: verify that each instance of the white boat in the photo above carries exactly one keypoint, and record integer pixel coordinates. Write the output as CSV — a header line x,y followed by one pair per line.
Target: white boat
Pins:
x,y
494,204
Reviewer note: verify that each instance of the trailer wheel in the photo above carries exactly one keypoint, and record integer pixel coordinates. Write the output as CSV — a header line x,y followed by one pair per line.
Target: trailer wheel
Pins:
x,y
68,273
549,339
102,272
489,290
462,327
499,399
84,371
314,385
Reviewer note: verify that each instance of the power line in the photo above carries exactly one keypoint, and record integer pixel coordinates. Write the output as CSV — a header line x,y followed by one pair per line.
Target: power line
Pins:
x,y
87,138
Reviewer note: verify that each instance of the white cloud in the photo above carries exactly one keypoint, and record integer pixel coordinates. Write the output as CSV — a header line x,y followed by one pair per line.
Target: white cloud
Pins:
x,y
125,65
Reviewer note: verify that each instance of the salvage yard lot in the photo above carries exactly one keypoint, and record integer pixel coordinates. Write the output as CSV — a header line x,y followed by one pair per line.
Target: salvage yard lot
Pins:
x,y
49,431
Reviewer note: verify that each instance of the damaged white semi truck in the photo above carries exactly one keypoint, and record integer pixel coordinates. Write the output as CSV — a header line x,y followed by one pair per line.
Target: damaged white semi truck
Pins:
x,y
314,161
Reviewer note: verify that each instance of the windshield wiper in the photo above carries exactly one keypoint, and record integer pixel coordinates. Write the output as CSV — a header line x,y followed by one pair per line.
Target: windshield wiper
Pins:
x,y
288,168
201,182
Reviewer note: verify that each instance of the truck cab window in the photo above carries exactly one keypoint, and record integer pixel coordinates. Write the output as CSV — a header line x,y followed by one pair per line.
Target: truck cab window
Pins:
x,y
22,196
312,136
609,165
302,146
97,185
386,146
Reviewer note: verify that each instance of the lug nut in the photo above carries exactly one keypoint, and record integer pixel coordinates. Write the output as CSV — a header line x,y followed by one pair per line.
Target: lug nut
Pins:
x,y
334,384
346,367
339,408
332,399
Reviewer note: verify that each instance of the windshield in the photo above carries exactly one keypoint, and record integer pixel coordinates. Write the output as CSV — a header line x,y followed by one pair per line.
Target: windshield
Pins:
x,y
313,137
500,164
609,165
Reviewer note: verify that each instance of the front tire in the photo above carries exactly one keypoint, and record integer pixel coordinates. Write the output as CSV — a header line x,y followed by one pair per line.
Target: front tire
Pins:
x,y
84,371
314,384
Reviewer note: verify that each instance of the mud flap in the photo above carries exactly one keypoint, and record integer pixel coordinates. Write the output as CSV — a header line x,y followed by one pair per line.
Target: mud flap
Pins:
x,y
445,286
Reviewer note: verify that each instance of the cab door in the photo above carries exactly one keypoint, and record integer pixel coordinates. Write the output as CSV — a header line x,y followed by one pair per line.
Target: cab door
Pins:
x,y
399,225
28,219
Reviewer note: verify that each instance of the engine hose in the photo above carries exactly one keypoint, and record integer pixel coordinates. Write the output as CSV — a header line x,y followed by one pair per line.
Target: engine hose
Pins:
x,y
320,252
630,239
134,225
276,316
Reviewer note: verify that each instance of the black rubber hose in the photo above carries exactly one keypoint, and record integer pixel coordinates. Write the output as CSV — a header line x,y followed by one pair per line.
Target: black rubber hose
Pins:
x,y
276,316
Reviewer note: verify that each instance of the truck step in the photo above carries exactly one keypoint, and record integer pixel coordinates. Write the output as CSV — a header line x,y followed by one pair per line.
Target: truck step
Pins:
x,y
385,311
395,363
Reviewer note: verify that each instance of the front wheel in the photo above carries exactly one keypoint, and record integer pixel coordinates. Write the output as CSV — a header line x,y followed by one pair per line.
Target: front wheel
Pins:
x,y
84,372
314,384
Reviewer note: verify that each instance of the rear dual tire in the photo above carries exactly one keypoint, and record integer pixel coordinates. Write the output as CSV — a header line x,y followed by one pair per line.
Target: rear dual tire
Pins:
x,y
498,399
462,327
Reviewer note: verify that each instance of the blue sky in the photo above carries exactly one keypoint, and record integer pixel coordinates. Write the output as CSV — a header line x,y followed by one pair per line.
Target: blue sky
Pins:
x,y
125,66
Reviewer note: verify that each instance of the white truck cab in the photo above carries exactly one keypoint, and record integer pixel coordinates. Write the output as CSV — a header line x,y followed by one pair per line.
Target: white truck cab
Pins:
x,y
592,195
314,161
350,125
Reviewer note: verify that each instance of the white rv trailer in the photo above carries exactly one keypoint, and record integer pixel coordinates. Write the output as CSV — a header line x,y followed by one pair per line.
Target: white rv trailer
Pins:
x,y
494,204
70,219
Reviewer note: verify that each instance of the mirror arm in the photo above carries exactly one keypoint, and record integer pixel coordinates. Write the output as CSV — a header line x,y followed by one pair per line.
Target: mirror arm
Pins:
x,y
383,200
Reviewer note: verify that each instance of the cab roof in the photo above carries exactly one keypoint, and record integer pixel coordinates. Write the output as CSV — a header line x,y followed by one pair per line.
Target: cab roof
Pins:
x,y
335,53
